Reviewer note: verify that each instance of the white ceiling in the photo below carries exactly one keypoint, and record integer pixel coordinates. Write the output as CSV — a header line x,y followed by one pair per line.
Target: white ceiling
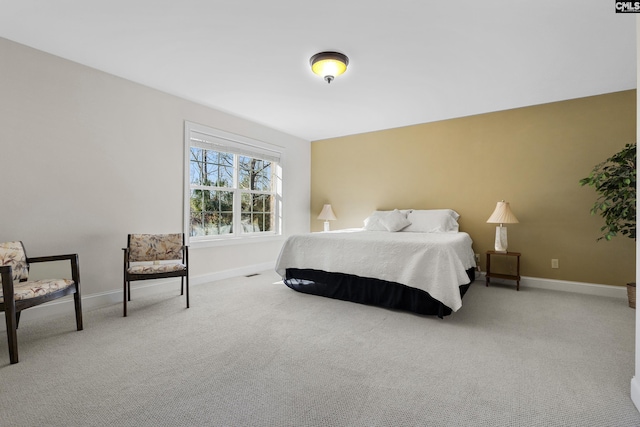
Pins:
x,y
411,61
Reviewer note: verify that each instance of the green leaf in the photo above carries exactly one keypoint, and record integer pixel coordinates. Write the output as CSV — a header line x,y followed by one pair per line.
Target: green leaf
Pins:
x,y
615,182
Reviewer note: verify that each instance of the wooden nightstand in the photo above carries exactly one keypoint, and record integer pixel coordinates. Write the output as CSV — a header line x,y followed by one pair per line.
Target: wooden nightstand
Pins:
x,y
515,277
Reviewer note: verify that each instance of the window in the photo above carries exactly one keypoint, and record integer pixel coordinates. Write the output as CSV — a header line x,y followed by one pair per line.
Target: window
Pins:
x,y
233,185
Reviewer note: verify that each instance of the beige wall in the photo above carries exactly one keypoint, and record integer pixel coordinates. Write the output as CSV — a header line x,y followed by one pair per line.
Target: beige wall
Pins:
x,y
88,157
532,157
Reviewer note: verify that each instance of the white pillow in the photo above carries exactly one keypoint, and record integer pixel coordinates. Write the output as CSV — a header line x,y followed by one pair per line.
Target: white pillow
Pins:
x,y
433,221
395,221
374,221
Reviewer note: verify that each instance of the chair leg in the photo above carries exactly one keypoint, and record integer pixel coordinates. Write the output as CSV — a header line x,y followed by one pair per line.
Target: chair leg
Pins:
x,y
12,336
182,285
78,305
124,298
187,291
18,319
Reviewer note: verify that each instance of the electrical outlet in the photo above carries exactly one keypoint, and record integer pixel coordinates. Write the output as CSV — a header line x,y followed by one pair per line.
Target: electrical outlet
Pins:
x,y
554,263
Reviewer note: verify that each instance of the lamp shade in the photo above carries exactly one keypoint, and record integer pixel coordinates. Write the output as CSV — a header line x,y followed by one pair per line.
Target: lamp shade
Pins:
x,y
329,64
327,213
502,214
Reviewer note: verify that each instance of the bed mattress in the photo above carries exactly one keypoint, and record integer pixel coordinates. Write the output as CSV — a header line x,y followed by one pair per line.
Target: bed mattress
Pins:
x,y
435,263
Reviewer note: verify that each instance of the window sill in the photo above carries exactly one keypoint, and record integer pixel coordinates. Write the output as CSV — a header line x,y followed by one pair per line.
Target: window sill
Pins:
x,y
231,241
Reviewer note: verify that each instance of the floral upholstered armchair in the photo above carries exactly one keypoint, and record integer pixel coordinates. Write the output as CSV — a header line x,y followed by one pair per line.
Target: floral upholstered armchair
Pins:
x,y
19,293
155,256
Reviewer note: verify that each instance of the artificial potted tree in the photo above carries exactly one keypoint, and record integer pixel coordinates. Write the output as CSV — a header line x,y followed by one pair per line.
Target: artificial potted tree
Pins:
x,y
615,182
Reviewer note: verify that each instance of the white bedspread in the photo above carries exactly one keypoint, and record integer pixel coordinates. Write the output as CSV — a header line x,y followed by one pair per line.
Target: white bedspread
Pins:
x,y
434,262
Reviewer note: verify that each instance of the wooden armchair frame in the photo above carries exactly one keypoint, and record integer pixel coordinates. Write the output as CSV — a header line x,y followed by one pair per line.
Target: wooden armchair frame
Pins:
x,y
13,308
130,277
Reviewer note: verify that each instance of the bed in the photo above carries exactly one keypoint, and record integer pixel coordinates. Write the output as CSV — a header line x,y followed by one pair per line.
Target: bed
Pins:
x,y
413,260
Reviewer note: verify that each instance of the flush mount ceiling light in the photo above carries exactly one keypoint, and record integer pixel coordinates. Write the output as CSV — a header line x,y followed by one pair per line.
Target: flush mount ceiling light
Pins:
x,y
329,64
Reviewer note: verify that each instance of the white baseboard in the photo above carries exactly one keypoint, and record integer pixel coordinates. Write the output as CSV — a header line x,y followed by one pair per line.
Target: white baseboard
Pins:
x,y
635,392
64,306
564,286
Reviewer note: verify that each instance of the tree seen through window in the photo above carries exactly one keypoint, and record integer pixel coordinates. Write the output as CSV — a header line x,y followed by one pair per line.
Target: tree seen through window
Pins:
x,y
217,179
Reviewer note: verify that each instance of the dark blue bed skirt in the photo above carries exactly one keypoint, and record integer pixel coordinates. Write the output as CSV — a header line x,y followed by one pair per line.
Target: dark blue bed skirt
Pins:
x,y
369,291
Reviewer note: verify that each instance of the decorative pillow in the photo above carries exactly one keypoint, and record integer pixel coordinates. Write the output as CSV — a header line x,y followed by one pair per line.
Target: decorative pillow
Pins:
x,y
395,221
433,221
374,221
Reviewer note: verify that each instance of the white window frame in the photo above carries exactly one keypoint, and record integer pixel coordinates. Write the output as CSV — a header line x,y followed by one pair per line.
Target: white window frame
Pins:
x,y
202,136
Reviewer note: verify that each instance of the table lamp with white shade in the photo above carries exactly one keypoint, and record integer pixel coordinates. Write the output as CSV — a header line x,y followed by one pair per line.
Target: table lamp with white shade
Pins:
x,y
502,215
327,215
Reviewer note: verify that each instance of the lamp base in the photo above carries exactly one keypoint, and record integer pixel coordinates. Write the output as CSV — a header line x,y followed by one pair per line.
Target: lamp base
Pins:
x,y
327,226
501,239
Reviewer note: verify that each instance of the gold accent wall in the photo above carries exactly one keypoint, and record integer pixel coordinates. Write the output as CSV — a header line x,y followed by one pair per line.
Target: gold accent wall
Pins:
x,y
532,157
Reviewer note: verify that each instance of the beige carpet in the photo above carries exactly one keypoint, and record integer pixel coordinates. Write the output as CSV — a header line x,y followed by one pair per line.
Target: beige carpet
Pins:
x,y
251,352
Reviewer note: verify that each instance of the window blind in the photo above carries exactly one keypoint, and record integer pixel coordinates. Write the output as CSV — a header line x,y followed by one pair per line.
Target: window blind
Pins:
x,y
230,144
